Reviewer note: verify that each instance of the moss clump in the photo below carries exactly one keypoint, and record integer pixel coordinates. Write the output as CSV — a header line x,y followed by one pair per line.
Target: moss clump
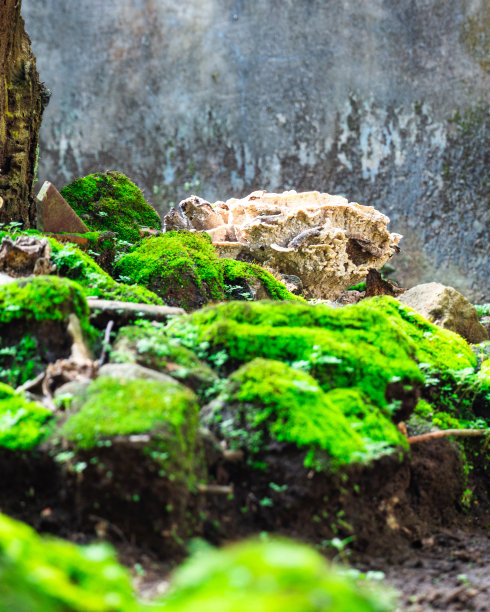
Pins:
x,y
34,315
112,407
267,401
269,576
77,265
23,424
148,344
42,298
183,268
370,345
50,575
235,272
109,201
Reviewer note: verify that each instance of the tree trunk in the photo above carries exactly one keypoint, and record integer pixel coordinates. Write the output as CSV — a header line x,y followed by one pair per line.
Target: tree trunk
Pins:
x,y
22,101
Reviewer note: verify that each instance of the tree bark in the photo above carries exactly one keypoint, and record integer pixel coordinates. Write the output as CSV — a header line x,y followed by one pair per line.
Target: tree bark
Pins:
x,y
22,101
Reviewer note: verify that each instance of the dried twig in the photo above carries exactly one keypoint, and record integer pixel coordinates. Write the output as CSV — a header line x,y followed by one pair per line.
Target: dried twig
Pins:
x,y
106,342
213,489
445,433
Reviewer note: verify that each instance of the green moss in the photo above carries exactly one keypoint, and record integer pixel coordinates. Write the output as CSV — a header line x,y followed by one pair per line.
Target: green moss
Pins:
x,y
269,401
21,361
42,298
51,575
183,268
23,424
110,201
73,263
149,345
270,576
369,345
237,271
112,407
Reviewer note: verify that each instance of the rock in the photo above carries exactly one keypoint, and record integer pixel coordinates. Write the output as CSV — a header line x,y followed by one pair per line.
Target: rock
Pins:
x,y
447,308
328,242
293,283
377,285
25,255
132,371
54,214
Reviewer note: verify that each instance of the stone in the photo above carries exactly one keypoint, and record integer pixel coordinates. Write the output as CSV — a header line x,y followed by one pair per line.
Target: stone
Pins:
x,y
447,308
328,242
132,371
25,255
377,285
54,214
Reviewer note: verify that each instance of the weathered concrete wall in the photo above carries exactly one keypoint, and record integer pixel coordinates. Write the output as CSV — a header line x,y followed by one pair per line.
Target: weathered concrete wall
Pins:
x,y
378,100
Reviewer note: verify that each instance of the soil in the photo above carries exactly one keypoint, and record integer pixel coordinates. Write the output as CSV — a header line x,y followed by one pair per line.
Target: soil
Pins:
x,y
404,518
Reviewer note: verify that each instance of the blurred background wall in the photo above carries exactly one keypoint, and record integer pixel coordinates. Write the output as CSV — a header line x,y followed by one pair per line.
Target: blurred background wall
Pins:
x,y
382,101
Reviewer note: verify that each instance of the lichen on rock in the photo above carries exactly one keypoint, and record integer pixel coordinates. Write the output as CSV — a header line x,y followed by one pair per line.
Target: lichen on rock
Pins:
x,y
328,242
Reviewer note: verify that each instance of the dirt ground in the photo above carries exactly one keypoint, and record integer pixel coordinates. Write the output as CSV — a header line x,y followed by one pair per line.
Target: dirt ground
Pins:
x,y
451,571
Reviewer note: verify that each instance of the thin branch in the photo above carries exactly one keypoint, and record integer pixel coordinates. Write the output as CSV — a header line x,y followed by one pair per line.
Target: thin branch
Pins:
x,y
106,342
445,433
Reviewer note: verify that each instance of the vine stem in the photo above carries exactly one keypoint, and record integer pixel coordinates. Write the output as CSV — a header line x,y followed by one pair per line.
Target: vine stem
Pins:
x,y
462,433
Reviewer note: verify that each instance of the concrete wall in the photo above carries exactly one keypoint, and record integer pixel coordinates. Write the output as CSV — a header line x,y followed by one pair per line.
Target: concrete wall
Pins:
x,y
379,100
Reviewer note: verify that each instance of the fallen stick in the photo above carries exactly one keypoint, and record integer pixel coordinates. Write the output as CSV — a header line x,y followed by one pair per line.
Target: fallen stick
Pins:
x,y
445,433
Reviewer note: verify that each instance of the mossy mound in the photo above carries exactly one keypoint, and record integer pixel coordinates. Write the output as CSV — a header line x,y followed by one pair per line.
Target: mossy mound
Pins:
x,y
148,344
50,575
137,444
374,345
112,407
109,201
269,577
34,318
267,402
184,270
42,298
75,264
23,424
252,282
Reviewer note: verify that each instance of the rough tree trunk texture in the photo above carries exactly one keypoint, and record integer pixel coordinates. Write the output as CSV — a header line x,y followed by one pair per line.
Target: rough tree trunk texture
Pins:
x,y
22,99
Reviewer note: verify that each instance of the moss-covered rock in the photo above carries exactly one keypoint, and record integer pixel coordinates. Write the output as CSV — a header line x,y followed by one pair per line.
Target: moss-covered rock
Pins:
x,y
23,423
183,268
375,345
148,345
75,264
267,402
34,317
50,575
110,201
135,452
269,577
